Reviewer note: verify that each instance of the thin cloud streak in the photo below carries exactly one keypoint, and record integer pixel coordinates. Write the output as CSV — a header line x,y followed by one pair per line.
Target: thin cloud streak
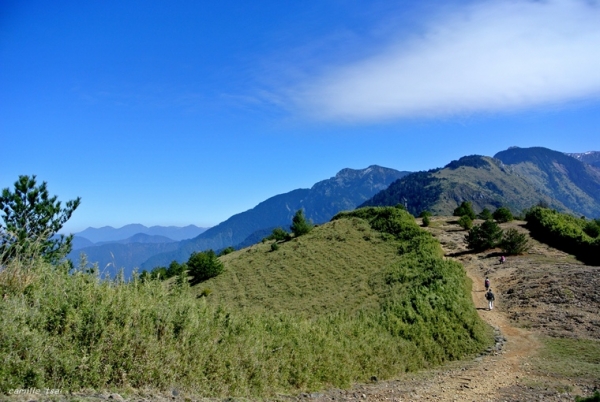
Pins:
x,y
489,57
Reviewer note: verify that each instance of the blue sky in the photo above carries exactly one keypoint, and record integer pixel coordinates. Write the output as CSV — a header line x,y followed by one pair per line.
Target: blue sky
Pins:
x,y
187,112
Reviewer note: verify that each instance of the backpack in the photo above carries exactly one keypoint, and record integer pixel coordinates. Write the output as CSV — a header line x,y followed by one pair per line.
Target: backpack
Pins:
x,y
489,296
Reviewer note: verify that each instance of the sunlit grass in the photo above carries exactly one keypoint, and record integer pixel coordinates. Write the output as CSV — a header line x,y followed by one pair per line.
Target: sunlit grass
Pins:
x,y
335,307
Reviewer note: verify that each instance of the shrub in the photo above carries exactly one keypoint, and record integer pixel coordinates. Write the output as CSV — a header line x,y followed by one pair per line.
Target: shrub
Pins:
x,y
300,226
465,222
465,209
424,214
274,246
486,214
502,215
564,232
593,398
204,265
226,251
484,236
592,228
279,234
426,221
514,243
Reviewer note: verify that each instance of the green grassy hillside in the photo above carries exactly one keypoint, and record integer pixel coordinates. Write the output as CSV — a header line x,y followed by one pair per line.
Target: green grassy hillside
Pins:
x,y
334,268
368,294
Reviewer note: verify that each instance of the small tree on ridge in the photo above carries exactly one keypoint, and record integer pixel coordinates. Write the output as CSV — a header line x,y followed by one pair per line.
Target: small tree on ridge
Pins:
x,y
300,226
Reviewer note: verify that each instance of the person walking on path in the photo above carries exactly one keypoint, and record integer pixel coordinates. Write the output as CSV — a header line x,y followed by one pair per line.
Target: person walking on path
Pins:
x,y
486,283
489,296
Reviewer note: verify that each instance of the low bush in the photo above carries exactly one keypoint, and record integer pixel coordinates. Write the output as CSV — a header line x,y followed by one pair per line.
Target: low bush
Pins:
x,y
486,214
465,222
465,208
502,215
513,242
484,237
564,232
279,234
426,221
204,265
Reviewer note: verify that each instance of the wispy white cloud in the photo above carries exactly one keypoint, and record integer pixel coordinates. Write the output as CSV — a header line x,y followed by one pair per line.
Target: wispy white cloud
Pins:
x,y
486,57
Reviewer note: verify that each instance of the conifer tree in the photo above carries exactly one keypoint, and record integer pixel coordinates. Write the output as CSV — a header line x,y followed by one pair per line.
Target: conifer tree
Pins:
x,y
300,226
32,220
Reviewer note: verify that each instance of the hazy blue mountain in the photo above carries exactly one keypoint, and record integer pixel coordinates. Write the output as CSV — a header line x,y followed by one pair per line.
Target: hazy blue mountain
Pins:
x,y
112,257
140,238
517,178
110,234
345,191
80,242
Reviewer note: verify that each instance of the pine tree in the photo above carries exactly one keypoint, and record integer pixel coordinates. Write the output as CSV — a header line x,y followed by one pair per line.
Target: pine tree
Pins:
x,y
31,221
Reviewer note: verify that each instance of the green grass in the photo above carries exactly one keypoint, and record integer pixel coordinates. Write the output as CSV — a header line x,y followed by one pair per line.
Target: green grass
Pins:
x,y
368,294
569,358
331,269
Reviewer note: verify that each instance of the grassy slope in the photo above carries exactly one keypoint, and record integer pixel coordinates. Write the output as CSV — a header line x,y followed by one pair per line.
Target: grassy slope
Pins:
x,y
326,310
331,269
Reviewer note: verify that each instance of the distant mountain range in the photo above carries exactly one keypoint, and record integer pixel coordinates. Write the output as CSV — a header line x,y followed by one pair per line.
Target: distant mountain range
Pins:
x,y
129,246
110,234
345,191
517,178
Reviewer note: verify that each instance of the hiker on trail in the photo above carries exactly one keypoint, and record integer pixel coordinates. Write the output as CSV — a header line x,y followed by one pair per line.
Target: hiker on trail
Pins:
x,y
487,283
489,296
502,259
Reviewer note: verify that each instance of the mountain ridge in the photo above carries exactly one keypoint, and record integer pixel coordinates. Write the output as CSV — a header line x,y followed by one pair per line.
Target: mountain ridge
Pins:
x,y
344,191
517,178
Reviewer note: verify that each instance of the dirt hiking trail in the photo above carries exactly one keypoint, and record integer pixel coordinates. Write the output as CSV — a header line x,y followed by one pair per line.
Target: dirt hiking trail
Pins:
x,y
504,372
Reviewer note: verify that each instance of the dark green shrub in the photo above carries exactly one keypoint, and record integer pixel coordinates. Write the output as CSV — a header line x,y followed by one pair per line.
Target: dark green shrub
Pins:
x,y
424,214
484,236
274,246
486,214
279,235
204,265
513,242
593,398
592,228
465,209
426,221
175,269
502,215
465,222
226,251
564,232
300,226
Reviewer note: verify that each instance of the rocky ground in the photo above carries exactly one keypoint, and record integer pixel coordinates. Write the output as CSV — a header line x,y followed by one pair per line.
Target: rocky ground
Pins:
x,y
542,293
